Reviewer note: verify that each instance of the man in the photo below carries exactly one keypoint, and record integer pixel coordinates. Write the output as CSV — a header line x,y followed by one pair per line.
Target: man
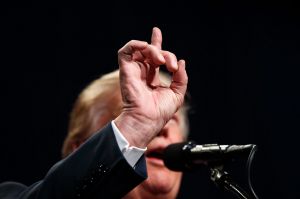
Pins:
x,y
100,103
110,163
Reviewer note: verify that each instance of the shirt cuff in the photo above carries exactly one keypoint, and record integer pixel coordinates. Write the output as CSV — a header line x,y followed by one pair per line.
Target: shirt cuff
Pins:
x,y
131,153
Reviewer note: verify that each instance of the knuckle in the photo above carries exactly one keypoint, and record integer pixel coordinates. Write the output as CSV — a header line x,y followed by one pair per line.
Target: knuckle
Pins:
x,y
120,51
170,54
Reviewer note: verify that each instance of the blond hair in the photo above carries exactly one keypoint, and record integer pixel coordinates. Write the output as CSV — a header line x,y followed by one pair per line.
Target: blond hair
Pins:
x,y
99,102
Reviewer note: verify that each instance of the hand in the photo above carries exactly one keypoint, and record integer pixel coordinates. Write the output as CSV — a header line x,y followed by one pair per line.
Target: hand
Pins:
x,y
148,105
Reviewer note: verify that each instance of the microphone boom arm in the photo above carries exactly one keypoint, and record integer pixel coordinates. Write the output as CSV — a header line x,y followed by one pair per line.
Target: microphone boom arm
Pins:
x,y
222,179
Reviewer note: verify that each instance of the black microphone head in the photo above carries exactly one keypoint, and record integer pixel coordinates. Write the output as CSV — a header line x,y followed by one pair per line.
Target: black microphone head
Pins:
x,y
176,156
188,156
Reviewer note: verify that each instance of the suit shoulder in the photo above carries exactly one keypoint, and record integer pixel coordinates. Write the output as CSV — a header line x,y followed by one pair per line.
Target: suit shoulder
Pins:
x,y
11,189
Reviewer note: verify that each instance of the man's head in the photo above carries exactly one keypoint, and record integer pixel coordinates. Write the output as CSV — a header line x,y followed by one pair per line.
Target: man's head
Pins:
x,y
101,102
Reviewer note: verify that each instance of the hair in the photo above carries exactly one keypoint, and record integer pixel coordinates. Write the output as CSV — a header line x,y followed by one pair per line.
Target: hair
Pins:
x,y
99,102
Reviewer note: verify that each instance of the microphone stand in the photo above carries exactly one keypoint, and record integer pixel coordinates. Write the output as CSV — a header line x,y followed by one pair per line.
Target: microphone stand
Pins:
x,y
222,179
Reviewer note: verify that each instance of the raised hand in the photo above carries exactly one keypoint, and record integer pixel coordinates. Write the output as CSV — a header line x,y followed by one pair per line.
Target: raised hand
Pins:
x,y
148,105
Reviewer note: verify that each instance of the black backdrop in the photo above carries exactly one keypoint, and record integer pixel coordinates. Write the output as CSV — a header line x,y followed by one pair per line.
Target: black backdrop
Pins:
x,y
242,62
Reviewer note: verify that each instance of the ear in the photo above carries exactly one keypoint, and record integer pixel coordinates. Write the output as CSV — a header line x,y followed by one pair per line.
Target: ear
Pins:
x,y
75,145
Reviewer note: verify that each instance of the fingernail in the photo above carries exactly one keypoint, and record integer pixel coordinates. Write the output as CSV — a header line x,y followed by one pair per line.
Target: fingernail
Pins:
x,y
161,58
175,65
183,61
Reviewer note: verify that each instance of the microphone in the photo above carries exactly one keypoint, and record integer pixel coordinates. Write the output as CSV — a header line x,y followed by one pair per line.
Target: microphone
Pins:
x,y
187,156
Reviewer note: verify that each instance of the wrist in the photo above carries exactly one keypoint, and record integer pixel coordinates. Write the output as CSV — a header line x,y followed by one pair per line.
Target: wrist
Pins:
x,y
138,130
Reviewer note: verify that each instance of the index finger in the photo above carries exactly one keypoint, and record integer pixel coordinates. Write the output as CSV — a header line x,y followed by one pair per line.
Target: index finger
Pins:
x,y
126,52
156,38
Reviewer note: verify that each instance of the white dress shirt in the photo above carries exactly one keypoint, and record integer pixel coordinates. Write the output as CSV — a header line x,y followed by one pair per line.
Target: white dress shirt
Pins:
x,y
131,153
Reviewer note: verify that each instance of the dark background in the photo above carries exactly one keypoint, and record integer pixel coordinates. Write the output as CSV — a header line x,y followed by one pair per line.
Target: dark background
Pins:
x,y
242,61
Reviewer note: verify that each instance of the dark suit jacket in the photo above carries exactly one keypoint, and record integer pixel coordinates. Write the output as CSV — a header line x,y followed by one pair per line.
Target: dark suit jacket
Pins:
x,y
96,170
